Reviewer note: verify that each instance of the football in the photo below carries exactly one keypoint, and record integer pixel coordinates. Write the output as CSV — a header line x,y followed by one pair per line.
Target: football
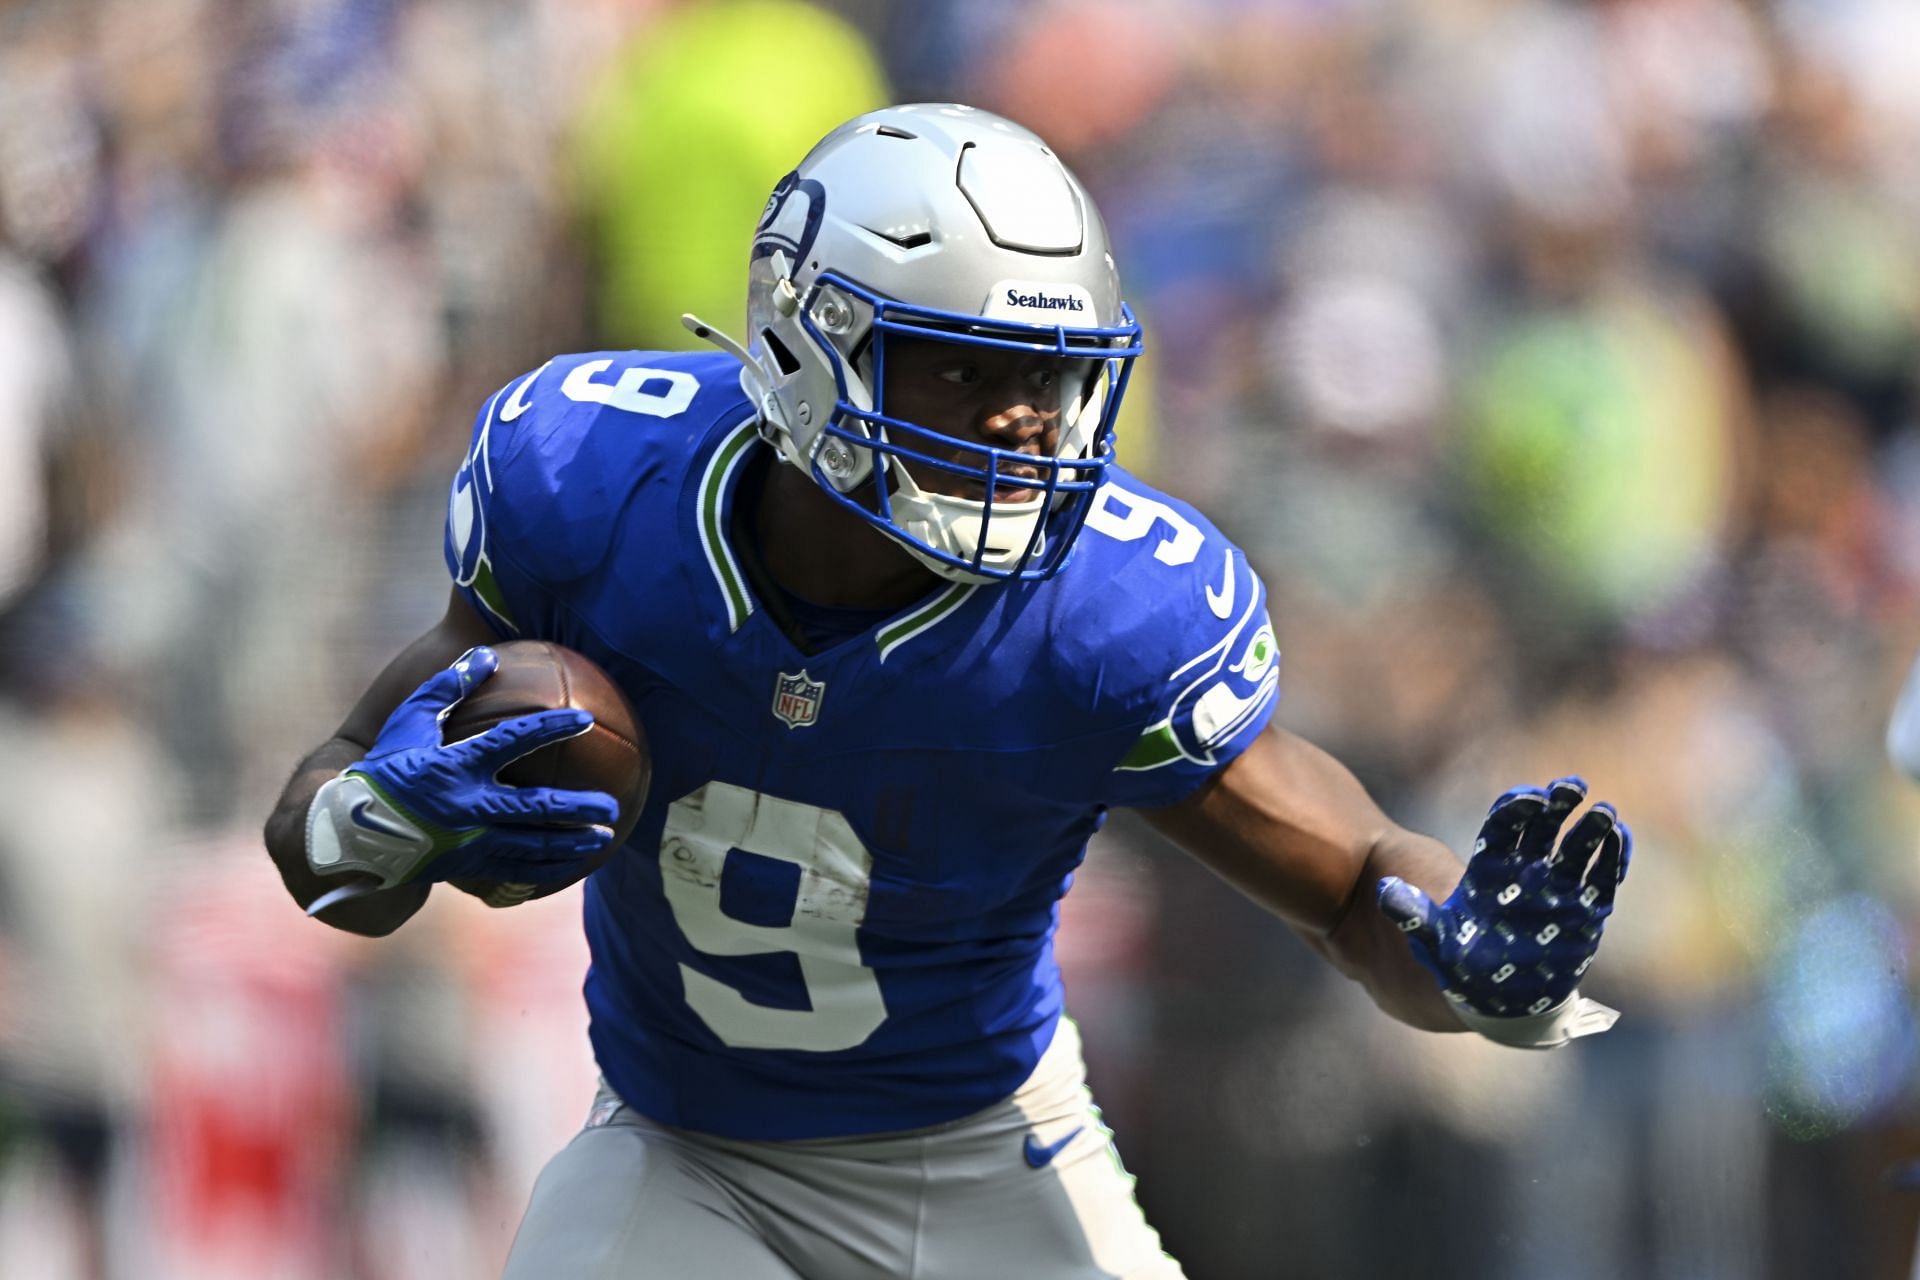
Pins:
x,y
535,675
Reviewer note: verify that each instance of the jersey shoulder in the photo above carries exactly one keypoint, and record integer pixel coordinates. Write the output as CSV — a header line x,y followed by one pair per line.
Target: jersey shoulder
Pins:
x,y
563,458
1163,623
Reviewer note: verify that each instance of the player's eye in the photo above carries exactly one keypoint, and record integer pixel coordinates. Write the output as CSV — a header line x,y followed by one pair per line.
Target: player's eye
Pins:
x,y
961,375
1043,379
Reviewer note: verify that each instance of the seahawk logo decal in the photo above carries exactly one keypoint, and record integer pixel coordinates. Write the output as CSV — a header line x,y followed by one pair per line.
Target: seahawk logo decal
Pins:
x,y
466,540
1221,692
791,220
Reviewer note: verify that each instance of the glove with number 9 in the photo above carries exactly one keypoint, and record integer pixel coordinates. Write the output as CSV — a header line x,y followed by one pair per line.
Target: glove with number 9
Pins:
x,y
417,810
1509,945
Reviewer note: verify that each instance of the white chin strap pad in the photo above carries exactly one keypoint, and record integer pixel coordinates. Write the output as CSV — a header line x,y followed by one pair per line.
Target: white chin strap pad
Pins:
x,y
956,526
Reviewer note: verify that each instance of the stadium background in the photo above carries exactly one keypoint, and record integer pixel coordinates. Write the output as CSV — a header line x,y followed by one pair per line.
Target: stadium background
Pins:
x,y
1555,362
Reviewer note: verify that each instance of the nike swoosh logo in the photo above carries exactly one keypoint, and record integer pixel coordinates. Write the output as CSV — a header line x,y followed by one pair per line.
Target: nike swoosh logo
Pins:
x,y
517,402
1039,1157
363,817
1221,602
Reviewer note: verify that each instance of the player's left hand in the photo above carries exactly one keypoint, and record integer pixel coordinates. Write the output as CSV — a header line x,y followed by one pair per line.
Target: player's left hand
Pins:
x,y
1509,945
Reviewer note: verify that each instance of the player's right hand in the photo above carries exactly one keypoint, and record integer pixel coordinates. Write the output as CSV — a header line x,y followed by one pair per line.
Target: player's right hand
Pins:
x,y
416,809
1511,943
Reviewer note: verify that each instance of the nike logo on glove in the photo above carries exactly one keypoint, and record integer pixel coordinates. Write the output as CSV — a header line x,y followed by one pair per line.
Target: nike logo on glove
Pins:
x,y
363,817
1039,1157
1221,602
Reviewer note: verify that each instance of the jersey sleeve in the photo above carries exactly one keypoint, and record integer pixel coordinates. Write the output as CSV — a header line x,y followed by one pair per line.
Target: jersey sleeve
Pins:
x,y
512,543
1209,688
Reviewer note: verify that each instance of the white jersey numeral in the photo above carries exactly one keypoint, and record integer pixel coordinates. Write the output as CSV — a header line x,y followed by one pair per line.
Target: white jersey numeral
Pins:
x,y
835,872
629,392
1136,518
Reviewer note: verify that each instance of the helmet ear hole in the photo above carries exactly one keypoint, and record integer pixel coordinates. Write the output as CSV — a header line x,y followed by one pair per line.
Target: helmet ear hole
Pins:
x,y
783,357
861,358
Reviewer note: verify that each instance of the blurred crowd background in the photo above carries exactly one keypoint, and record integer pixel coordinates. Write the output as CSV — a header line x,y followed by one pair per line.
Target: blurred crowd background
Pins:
x,y
1555,362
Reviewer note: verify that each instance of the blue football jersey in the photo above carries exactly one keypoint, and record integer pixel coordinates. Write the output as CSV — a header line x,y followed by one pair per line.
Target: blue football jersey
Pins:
x,y
836,913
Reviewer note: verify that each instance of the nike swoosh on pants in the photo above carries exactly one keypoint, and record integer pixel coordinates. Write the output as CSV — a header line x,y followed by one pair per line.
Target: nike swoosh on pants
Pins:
x,y
1039,1157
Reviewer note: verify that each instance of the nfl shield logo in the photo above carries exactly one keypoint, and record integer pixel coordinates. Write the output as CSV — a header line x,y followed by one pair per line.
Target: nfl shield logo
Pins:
x,y
796,699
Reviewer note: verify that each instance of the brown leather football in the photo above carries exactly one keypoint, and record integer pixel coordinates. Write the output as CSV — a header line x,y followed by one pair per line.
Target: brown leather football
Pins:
x,y
612,756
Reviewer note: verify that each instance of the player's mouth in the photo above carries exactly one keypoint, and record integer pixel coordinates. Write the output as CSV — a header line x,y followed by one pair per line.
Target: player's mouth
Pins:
x,y
1004,494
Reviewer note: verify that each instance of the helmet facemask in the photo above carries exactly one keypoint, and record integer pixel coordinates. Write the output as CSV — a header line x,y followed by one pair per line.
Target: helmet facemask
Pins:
x,y
968,509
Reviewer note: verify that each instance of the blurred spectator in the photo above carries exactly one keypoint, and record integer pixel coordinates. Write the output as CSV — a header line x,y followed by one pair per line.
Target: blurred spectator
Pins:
x,y
38,387
92,799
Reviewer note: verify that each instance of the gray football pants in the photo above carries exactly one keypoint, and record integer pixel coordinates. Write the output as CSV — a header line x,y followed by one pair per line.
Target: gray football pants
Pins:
x,y
628,1198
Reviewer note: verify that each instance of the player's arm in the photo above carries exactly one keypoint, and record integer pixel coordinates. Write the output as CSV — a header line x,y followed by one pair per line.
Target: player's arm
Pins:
x,y
1496,947
376,914
1293,829
384,802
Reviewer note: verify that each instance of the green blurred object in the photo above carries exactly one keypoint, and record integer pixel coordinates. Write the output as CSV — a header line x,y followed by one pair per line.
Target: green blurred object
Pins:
x,y
1594,442
1846,259
676,150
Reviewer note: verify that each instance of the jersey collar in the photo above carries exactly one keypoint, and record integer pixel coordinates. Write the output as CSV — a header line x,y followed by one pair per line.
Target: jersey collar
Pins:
x,y
714,497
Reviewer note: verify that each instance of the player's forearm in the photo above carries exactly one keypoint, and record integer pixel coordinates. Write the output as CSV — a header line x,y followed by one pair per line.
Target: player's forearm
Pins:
x,y
1293,829
1366,946
374,915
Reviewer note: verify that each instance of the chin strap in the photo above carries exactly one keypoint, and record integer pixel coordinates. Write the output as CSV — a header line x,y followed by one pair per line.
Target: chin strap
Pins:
x,y
786,300
707,333
750,378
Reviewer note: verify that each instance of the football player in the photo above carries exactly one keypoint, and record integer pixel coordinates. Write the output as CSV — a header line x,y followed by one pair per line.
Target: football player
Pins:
x,y
901,633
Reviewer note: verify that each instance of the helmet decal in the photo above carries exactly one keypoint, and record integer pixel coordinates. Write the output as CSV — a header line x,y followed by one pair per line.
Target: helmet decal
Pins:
x,y
767,241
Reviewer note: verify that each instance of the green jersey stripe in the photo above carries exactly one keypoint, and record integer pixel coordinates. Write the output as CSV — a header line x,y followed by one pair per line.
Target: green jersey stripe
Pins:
x,y
713,540
898,632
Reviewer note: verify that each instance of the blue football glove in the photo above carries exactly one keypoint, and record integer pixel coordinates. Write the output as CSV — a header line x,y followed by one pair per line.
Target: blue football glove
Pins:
x,y
417,810
1510,944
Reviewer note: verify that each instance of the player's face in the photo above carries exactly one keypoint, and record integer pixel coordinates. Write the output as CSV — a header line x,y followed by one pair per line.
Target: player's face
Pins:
x,y
975,396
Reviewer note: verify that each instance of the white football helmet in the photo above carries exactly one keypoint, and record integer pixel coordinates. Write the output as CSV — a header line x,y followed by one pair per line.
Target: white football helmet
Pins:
x,y
934,222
